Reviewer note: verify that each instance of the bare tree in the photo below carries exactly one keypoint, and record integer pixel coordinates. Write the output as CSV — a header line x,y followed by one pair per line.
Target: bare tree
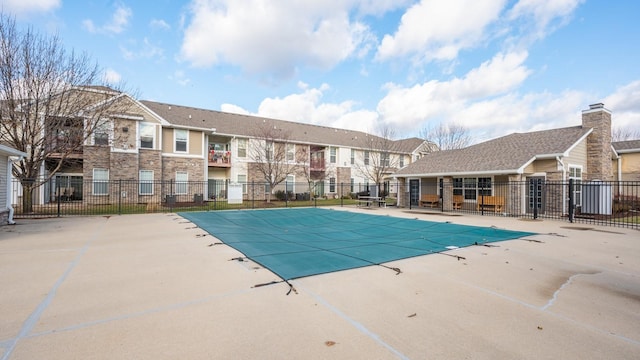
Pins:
x,y
273,154
377,159
312,172
625,133
51,103
447,136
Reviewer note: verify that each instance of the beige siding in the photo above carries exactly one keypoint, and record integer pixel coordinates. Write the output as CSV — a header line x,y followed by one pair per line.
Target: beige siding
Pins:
x,y
167,140
545,166
428,186
4,181
630,166
577,157
195,143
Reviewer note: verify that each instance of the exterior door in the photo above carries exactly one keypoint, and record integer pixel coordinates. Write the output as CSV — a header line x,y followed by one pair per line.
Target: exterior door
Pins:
x,y
535,194
414,192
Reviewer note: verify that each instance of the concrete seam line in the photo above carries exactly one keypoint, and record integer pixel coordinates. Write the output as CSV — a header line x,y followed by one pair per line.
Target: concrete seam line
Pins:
x,y
31,321
354,323
170,307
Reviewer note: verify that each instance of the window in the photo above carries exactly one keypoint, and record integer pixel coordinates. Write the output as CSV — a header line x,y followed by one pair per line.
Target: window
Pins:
x,y
366,157
146,182
181,137
147,135
242,148
401,161
242,179
319,188
384,159
100,181
290,152
333,155
471,188
332,185
352,185
101,133
575,174
289,183
182,178
353,156
269,150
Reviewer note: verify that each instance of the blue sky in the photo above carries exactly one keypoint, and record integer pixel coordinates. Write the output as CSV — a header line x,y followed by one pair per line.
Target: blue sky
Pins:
x,y
493,66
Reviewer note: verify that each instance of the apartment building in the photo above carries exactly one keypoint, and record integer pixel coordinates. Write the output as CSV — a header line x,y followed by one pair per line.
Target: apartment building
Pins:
x,y
166,147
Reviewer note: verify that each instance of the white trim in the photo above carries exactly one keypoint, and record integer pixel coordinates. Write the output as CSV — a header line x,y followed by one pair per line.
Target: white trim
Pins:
x,y
9,151
183,155
175,142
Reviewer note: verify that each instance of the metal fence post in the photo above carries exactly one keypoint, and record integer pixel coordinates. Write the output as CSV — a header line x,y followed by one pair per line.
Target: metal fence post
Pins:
x,y
119,196
571,200
58,196
535,199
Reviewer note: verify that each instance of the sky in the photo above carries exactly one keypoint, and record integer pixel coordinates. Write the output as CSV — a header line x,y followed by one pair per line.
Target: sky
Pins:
x,y
492,66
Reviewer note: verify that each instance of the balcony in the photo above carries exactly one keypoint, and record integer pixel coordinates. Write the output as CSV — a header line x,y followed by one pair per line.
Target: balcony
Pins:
x,y
317,165
219,158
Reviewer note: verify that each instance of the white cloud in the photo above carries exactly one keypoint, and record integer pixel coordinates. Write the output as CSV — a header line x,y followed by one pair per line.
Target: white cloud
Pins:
x,y
271,36
146,50
159,24
112,77
624,104
439,29
21,7
543,15
306,107
180,77
117,24
404,107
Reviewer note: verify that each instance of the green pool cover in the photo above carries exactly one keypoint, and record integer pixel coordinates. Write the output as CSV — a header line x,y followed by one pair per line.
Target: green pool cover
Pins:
x,y
300,242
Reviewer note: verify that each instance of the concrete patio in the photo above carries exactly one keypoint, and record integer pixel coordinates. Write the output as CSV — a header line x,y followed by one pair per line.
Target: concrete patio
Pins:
x,y
154,287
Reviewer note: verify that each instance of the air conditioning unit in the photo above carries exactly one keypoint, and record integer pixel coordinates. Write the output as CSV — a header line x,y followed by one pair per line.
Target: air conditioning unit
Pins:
x,y
597,198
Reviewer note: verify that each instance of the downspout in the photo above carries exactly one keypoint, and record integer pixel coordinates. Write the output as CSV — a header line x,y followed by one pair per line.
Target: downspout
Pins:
x,y
564,190
10,190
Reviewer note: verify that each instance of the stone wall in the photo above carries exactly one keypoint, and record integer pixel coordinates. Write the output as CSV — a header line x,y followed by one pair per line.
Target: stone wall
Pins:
x,y
599,153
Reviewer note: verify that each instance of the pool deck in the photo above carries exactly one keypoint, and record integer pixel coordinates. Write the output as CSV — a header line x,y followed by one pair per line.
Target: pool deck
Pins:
x,y
154,287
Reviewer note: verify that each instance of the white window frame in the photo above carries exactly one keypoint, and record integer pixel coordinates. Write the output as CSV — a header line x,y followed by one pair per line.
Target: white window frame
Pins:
x,y
291,150
332,185
290,184
182,183
103,127
149,127
100,180
145,182
577,189
353,156
242,148
184,140
242,179
366,157
333,155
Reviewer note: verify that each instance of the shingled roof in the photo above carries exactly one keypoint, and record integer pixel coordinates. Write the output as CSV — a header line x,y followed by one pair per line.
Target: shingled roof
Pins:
x,y
244,125
627,146
507,154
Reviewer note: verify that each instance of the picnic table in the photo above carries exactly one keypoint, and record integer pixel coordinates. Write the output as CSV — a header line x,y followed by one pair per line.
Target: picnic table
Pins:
x,y
368,201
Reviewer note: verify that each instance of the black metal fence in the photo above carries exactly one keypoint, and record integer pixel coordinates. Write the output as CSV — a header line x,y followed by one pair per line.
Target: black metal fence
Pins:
x,y
598,202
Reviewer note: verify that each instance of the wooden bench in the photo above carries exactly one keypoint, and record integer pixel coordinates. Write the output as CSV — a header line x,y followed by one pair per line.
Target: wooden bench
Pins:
x,y
494,203
457,201
431,200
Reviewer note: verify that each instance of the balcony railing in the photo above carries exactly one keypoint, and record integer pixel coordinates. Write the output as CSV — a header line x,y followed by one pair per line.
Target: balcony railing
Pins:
x,y
317,165
219,158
